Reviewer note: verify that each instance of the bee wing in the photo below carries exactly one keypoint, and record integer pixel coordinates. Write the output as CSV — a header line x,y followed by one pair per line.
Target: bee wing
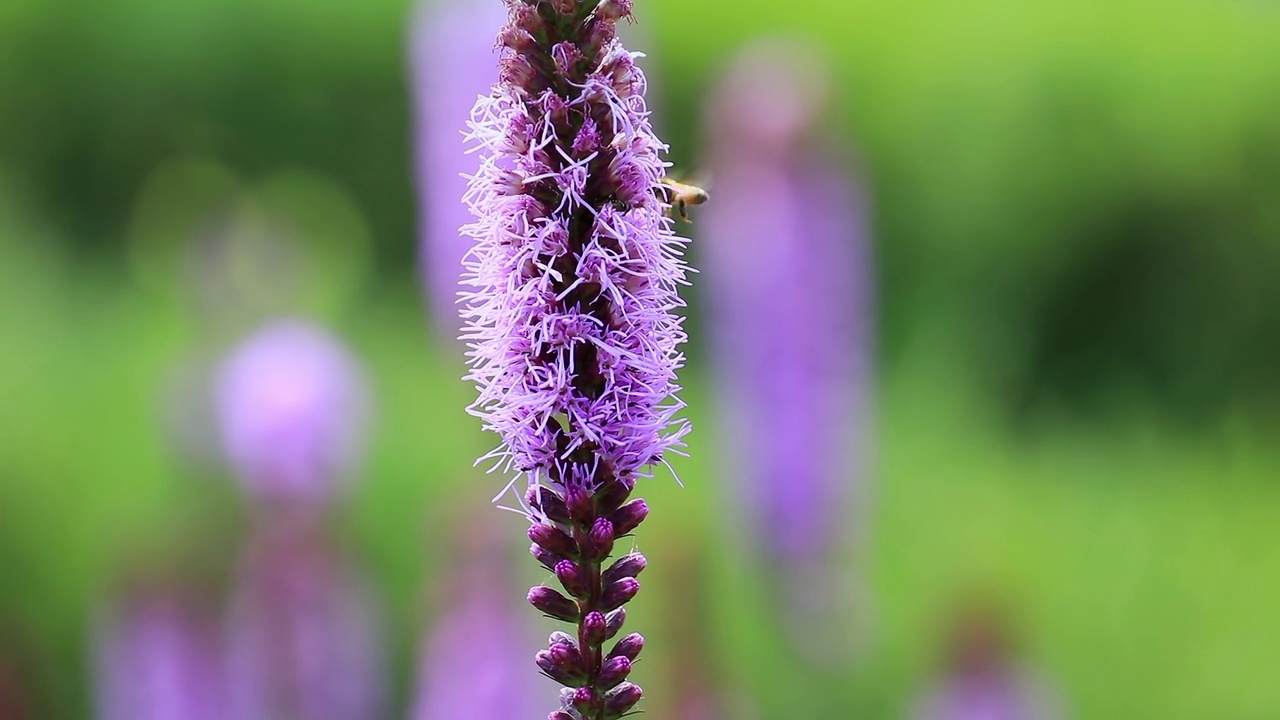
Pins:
x,y
703,180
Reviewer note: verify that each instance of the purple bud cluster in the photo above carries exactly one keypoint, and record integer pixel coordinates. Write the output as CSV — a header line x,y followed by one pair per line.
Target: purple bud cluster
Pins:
x,y
571,319
575,547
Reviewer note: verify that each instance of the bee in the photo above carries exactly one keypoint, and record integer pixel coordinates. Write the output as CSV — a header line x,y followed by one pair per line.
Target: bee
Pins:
x,y
682,195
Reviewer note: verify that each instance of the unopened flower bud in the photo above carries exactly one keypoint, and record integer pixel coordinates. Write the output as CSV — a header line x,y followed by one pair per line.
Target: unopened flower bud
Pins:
x,y
546,501
553,539
614,622
614,671
628,647
629,516
561,666
619,593
629,565
553,604
566,699
572,578
544,556
566,655
580,506
621,699
599,540
584,700
594,628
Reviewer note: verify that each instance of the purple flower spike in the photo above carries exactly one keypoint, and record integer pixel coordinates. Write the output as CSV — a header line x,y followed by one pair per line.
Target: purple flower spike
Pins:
x,y
570,310
791,335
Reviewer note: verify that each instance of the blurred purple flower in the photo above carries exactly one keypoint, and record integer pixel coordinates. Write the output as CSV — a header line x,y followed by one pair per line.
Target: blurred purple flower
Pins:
x,y
303,635
472,665
1002,696
302,638
786,248
453,61
474,659
571,324
984,679
157,656
291,404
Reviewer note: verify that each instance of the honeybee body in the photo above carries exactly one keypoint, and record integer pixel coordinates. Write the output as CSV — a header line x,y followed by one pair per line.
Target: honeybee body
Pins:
x,y
681,196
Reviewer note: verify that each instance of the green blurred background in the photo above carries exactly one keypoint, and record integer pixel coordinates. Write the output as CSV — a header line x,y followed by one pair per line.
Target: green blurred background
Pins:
x,y
1078,242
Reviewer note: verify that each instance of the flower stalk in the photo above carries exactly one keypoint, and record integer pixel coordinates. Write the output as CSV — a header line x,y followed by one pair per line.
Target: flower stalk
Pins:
x,y
571,326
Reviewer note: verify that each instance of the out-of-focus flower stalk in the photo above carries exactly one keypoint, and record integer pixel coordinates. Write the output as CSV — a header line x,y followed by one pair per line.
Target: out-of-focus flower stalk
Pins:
x,y
157,656
473,662
570,320
790,299
303,637
453,61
